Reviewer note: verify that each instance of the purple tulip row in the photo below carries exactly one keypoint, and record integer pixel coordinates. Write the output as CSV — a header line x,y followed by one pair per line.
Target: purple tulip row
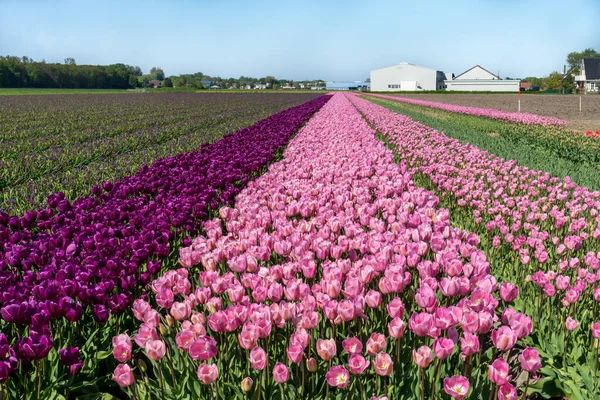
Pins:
x,y
523,118
98,252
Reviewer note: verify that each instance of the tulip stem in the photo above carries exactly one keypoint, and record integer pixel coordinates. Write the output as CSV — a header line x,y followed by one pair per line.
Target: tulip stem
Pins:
x,y
162,384
422,383
595,365
526,387
435,377
38,377
494,387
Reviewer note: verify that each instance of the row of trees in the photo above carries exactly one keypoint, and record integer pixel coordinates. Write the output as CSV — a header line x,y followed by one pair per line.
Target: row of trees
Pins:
x,y
24,72
18,72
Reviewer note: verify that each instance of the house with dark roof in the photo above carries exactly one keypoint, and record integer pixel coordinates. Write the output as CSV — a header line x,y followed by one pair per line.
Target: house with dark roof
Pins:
x,y
589,77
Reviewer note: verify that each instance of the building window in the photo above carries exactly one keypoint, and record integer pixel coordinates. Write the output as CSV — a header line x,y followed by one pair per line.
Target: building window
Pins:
x,y
592,85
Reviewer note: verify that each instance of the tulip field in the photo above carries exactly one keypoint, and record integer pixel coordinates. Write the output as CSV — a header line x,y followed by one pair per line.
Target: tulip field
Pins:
x,y
287,246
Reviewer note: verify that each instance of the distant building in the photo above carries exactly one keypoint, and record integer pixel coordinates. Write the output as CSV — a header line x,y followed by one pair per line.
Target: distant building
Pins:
x,y
261,86
479,79
207,84
590,75
406,77
356,85
154,83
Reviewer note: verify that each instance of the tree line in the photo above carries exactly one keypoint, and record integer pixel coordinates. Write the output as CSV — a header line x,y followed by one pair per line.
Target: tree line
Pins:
x,y
23,72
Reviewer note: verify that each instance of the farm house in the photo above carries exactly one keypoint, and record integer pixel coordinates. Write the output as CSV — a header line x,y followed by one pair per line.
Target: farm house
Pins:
x,y
589,75
405,76
479,79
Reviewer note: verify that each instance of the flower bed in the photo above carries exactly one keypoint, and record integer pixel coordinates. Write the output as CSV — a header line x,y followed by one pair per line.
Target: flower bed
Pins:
x,y
523,118
71,266
332,272
538,231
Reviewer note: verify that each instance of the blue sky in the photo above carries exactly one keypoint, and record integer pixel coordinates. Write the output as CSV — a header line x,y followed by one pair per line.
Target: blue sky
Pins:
x,y
326,39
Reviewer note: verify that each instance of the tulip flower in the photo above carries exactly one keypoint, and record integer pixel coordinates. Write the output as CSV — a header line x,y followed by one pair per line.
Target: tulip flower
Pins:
x,y
123,375
338,376
326,349
281,373
498,372
530,360
383,364
208,373
456,387
422,356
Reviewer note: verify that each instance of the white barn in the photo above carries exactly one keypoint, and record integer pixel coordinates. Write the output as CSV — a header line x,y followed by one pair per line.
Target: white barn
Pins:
x,y
479,79
405,76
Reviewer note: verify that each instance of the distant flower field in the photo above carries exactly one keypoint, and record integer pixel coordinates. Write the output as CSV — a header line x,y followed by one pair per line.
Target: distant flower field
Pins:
x,y
59,143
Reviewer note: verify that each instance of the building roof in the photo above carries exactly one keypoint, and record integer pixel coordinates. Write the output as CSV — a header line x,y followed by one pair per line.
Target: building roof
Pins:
x,y
154,82
525,85
592,68
405,63
477,66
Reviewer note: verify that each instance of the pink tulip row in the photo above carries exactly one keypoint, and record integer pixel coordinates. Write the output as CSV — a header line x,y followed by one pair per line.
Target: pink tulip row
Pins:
x,y
522,118
330,248
539,228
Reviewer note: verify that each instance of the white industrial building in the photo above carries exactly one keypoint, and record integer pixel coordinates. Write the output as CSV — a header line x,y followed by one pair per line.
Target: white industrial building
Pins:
x,y
405,76
479,79
411,77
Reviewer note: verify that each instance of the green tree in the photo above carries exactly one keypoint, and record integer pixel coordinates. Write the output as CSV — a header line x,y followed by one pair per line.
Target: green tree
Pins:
x,y
574,58
157,73
167,82
69,61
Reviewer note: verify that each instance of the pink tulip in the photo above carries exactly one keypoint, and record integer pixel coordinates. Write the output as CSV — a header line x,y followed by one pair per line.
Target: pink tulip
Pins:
x,y
203,348
145,332
184,339
504,338
571,324
509,292
338,376
281,374
165,298
180,311
357,364
258,358
596,330
422,356
507,392
311,364
155,349
122,347
376,343
521,325
208,373
396,328
530,360
123,375
352,345
456,387
295,353
395,308
373,299
383,364
326,349
469,344
443,347
498,372
420,323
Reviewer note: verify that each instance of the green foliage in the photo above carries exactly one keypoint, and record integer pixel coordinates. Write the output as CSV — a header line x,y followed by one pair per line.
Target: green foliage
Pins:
x,y
558,81
18,72
574,58
168,83
157,73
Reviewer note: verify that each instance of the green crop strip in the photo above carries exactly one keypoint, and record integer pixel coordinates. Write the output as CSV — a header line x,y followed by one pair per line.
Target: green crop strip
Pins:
x,y
535,147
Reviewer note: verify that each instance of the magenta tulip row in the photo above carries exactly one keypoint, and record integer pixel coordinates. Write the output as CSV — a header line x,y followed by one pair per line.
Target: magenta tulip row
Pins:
x,y
523,118
334,238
